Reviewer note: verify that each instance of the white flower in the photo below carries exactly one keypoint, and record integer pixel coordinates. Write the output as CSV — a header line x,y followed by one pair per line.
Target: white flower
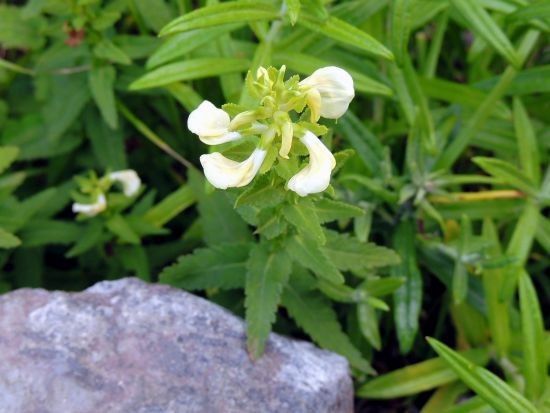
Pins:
x,y
91,209
211,124
335,88
129,179
224,173
315,177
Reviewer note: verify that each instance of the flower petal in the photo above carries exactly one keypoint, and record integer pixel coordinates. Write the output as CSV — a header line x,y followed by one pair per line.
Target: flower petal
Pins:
x,y
335,86
225,173
91,209
211,124
315,177
129,179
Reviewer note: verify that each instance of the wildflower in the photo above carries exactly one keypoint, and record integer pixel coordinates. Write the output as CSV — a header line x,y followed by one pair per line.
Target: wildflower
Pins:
x,y
330,90
129,179
91,210
211,124
224,173
315,177
327,93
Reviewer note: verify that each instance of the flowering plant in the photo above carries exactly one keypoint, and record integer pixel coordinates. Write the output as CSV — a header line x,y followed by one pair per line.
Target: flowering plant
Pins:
x,y
327,93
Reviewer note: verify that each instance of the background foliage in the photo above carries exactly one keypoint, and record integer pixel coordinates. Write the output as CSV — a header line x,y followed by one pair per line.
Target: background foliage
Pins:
x,y
451,142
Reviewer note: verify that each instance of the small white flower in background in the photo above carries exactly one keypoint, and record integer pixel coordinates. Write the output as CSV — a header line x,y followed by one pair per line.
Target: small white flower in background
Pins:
x,y
211,124
327,93
129,179
315,177
91,210
224,173
334,86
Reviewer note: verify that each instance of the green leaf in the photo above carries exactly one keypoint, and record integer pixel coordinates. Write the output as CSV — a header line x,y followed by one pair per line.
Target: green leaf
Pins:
x,y
315,315
368,324
17,31
8,240
107,144
155,13
8,154
293,7
408,298
506,172
328,210
91,237
481,22
171,206
266,276
416,378
309,254
307,64
179,45
345,33
366,144
528,150
102,82
40,232
460,276
488,386
189,70
349,254
497,309
536,10
261,194
400,28
120,227
459,93
222,13
221,266
535,364
304,218
107,50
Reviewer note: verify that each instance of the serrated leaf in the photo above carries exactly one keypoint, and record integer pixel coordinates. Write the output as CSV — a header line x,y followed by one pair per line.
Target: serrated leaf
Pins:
x,y
535,364
8,154
189,70
314,314
266,276
309,254
222,13
102,82
488,386
221,266
346,33
481,22
304,218
8,240
349,254
416,378
328,210
261,194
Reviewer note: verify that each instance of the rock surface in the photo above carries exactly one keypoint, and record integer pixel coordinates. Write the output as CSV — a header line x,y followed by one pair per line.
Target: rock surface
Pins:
x,y
130,347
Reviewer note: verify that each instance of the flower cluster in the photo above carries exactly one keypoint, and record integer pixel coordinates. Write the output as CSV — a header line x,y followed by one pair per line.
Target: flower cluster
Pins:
x,y
280,118
97,189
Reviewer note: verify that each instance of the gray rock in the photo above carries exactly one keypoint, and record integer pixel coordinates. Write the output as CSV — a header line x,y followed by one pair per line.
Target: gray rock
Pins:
x,y
130,347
